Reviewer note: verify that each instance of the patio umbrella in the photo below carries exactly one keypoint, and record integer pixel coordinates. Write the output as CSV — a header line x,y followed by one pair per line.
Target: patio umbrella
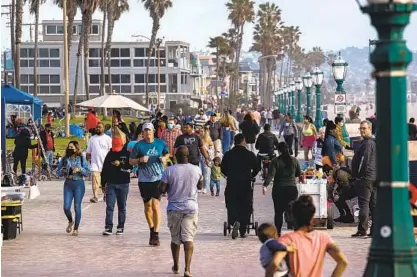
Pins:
x,y
115,101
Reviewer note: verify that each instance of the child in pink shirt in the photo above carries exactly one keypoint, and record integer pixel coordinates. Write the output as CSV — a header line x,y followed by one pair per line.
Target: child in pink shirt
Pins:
x,y
311,245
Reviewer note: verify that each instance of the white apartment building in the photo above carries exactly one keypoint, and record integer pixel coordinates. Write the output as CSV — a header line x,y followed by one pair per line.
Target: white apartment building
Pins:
x,y
128,67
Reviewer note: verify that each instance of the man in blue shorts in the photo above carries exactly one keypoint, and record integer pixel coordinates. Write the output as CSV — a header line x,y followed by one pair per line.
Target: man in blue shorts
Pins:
x,y
150,154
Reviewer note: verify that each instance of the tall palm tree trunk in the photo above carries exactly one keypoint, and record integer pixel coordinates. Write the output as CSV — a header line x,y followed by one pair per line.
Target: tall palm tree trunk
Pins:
x,y
77,73
19,18
12,34
155,28
110,27
217,73
35,54
86,35
103,52
70,16
282,72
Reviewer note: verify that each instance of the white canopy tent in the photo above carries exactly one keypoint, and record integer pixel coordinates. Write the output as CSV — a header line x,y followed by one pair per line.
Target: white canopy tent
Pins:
x,y
113,101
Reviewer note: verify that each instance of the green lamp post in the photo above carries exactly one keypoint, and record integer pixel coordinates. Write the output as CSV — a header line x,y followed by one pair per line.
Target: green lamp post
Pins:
x,y
317,78
393,251
280,100
285,100
339,69
292,99
308,83
299,87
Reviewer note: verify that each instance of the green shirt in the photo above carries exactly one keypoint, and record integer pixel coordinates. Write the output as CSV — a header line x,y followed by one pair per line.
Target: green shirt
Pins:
x,y
282,174
216,173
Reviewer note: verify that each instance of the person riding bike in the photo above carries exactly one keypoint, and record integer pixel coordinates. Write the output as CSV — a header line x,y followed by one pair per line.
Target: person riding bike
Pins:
x,y
266,143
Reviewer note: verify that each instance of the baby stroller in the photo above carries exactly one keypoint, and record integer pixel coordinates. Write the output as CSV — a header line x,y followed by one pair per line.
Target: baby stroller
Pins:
x,y
227,228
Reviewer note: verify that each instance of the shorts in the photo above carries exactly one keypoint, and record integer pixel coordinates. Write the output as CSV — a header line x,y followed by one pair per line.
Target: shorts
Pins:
x,y
149,190
96,179
182,227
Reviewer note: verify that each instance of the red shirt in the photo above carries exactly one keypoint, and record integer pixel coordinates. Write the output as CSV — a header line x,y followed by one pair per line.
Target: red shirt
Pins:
x,y
92,121
50,119
49,142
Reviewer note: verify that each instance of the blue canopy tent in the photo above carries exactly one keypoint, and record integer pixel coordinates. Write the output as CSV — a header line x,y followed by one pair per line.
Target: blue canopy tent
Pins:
x,y
14,96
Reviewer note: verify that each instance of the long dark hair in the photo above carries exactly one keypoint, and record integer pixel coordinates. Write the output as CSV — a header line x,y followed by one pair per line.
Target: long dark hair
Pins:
x,y
285,154
77,149
329,127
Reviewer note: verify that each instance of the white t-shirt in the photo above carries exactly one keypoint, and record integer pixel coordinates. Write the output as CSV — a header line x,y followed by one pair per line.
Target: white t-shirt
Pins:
x,y
98,147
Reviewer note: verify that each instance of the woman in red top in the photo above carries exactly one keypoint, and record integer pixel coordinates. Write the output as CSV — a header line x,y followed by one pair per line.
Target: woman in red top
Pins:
x,y
50,118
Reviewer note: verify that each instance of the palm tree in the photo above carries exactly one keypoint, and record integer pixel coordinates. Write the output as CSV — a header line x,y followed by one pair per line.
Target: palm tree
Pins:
x,y
222,49
232,38
34,9
72,7
240,13
12,33
18,38
104,9
77,67
115,9
157,9
268,41
88,7
315,57
291,37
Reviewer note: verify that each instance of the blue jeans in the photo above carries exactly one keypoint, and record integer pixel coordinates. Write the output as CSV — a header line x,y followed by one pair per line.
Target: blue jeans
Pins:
x,y
116,192
73,190
227,137
49,155
215,183
206,173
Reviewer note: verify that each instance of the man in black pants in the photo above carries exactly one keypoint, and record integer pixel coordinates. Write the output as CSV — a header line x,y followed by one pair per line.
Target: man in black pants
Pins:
x,y
266,143
364,172
240,166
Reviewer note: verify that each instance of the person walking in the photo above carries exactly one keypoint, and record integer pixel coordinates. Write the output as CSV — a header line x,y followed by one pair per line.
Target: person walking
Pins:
x,y
215,176
194,144
311,245
98,147
229,126
21,150
216,133
290,131
181,181
200,120
364,172
48,142
250,129
266,143
115,178
73,167
209,147
412,129
150,154
309,137
170,135
284,169
240,167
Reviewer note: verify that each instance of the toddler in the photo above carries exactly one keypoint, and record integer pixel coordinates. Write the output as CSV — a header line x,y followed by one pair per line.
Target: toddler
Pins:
x,y
215,175
267,234
318,146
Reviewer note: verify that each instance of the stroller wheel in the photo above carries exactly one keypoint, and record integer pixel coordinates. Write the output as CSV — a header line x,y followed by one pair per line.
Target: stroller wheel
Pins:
x,y
256,228
225,227
43,178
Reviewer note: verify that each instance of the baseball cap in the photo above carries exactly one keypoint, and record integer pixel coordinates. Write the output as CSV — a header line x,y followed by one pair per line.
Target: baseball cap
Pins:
x,y
147,126
213,114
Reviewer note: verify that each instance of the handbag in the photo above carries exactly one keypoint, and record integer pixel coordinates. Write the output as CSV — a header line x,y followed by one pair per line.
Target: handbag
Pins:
x,y
34,192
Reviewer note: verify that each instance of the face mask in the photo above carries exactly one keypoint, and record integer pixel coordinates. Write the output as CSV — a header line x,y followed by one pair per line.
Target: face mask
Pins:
x,y
170,126
70,152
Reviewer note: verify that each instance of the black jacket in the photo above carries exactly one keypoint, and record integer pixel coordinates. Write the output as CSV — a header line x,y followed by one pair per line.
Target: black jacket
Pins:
x,y
249,129
113,174
267,143
239,165
412,131
22,144
364,161
42,135
215,129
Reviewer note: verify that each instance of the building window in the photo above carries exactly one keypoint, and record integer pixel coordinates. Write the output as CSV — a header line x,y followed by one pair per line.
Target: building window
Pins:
x,y
94,29
43,63
54,79
23,52
125,63
94,89
43,53
124,79
54,53
115,63
55,89
115,52
162,53
125,89
140,52
94,52
51,29
60,29
125,52
140,78
54,63
24,63
74,30
138,63
139,89
43,89
94,79
43,79
94,63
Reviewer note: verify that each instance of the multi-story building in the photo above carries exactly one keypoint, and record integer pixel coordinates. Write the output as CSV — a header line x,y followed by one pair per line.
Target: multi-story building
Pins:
x,y
127,65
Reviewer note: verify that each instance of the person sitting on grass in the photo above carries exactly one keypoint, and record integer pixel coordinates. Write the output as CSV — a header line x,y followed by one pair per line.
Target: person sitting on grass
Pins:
x,y
271,250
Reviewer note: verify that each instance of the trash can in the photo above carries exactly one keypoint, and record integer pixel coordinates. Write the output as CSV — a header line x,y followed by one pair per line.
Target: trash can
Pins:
x,y
9,224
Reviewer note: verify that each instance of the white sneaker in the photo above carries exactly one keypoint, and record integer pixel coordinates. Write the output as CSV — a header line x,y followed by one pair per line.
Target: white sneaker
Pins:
x,y
199,191
204,191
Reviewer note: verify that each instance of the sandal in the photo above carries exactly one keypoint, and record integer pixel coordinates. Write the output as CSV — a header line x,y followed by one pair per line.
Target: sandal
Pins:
x,y
176,271
69,227
187,274
74,233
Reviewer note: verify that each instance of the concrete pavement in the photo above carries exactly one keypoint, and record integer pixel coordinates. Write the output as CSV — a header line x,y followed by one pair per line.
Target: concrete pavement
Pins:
x,y
44,249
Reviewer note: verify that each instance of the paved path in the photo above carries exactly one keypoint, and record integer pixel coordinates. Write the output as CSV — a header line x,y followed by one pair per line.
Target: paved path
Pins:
x,y
44,249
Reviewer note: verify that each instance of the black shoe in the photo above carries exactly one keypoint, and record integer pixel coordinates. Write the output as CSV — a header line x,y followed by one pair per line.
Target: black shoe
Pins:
x,y
235,230
359,235
217,194
339,219
107,232
212,193
119,231
348,219
243,235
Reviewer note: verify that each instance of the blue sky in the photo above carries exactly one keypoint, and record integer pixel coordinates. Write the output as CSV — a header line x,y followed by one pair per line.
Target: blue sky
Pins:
x,y
331,24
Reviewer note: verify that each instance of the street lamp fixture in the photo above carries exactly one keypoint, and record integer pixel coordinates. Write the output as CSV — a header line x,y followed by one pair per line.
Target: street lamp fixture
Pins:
x,y
292,100
308,83
317,78
393,251
299,87
339,69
